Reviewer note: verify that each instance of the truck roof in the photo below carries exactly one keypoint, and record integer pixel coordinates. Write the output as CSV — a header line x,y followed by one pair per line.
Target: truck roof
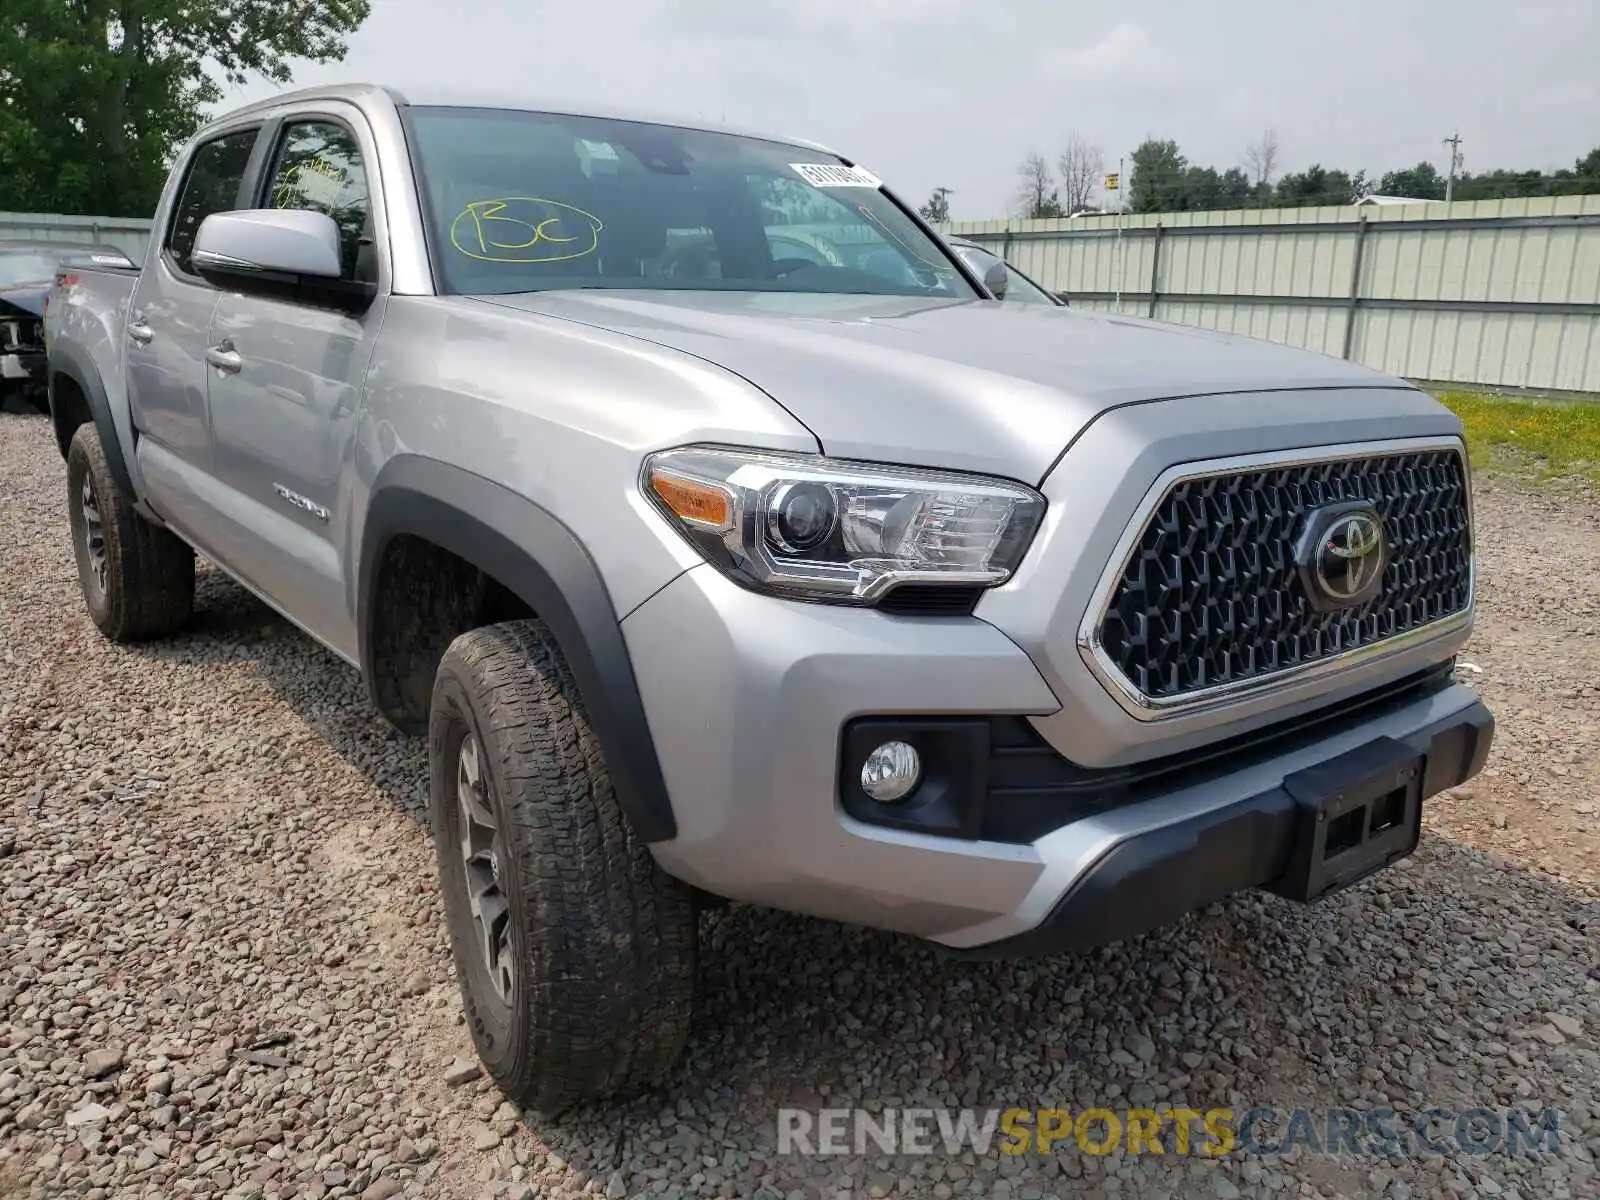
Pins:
x,y
454,95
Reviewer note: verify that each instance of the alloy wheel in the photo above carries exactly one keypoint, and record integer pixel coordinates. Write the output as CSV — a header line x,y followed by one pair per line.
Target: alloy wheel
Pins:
x,y
483,852
94,534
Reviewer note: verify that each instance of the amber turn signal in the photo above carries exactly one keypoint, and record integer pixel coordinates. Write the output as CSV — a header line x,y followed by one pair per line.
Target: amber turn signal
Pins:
x,y
690,500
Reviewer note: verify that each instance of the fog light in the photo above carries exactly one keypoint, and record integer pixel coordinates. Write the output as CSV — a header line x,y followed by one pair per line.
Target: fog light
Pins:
x,y
890,772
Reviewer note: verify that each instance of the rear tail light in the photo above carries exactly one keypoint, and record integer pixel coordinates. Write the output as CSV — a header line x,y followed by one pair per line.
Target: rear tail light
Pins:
x,y
64,279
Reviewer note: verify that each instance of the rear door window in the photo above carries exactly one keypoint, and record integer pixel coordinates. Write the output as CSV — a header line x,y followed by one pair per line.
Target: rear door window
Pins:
x,y
216,175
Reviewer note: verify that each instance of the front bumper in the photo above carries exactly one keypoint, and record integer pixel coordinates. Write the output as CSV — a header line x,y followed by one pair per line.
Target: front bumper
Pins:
x,y
748,698
23,365
1152,878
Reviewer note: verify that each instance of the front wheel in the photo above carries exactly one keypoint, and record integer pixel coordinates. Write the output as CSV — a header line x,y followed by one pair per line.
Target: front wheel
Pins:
x,y
574,952
137,579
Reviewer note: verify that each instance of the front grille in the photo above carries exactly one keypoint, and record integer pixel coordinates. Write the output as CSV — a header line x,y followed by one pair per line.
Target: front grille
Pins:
x,y
1210,595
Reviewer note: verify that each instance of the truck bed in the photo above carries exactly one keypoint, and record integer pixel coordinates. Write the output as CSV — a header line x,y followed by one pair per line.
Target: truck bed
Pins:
x,y
83,336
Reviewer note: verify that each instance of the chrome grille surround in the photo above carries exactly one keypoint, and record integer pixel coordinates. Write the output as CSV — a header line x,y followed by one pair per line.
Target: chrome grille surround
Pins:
x,y
1337,465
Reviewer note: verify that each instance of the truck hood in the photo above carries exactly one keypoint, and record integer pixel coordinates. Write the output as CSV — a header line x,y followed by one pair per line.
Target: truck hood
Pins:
x,y
963,384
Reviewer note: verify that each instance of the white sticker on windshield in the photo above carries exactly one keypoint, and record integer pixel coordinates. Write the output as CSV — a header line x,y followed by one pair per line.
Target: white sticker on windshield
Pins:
x,y
599,149
836,175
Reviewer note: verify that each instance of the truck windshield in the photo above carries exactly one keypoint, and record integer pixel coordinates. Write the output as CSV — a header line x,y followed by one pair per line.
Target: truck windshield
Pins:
x,y
522,201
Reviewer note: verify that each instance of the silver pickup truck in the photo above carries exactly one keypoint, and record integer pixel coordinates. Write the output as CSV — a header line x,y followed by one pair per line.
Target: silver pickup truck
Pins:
x,y
727,539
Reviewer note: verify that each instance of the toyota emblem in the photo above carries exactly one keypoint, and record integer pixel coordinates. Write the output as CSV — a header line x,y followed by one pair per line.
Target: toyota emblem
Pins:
x,y
1342,555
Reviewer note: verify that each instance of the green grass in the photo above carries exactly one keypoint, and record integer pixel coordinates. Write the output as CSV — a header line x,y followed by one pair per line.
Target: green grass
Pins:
x,y
1539,439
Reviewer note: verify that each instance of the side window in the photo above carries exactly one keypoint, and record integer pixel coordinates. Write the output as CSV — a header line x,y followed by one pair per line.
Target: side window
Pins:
x,y
215,175
319,168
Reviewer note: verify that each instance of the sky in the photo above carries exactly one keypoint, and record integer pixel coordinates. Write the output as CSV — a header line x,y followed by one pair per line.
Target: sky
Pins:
x,y
954,93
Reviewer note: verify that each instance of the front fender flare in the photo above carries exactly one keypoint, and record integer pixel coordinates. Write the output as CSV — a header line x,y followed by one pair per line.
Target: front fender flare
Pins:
x,y
539,559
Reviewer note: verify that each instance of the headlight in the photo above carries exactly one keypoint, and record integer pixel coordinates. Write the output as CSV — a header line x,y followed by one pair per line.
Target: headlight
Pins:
x,y
819,529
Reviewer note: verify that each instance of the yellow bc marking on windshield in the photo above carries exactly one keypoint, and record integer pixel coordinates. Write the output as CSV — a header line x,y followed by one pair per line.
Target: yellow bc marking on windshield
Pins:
x,y
524,229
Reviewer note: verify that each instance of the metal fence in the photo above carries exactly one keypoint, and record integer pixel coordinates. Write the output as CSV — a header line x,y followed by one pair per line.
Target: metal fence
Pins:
x,y
1495,293
128,234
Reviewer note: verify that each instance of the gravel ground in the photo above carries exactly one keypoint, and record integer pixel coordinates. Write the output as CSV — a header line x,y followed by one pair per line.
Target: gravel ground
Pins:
x,y
223,968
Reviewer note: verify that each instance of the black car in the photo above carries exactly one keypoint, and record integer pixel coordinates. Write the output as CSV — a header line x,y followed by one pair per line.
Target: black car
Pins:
x,y
27,271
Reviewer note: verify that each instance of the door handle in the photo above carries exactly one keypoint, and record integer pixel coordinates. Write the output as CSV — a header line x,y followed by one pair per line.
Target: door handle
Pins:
x,y
225,358
141,333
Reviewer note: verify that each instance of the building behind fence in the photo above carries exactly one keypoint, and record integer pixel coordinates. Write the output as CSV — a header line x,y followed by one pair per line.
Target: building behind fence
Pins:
x,y
1493,293
1497,293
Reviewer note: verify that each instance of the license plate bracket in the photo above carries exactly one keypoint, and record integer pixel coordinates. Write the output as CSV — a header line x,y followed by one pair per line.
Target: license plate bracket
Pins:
x,y
1354,814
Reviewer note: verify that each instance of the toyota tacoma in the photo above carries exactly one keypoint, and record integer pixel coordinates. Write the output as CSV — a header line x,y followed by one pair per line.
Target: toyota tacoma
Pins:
x,y
728,540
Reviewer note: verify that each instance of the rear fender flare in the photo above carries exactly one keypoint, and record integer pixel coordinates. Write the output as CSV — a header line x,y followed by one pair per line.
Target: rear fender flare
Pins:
x,y
68,362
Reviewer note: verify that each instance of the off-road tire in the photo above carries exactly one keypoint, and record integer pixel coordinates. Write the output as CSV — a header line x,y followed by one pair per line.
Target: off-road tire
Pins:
x,y
602,941
147,587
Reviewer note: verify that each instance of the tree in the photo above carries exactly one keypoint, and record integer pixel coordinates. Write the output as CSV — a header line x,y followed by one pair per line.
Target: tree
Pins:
x,y
1237,190
1500,184
1163,180
1314,185
1200,189
1421,182
1158,180
1080,169
1261,156
937,210
96,95
1583,178
1036,195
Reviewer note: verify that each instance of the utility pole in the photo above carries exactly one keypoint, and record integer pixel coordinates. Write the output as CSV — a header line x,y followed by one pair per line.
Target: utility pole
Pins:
x,y
1122,208
1454,142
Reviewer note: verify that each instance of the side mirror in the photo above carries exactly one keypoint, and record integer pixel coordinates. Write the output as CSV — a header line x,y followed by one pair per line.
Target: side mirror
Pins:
x,y
291,253
994,279
277,240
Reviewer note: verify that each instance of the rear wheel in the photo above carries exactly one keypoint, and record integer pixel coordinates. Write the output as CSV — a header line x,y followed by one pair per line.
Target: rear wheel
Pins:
x,y
574,952
137,579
